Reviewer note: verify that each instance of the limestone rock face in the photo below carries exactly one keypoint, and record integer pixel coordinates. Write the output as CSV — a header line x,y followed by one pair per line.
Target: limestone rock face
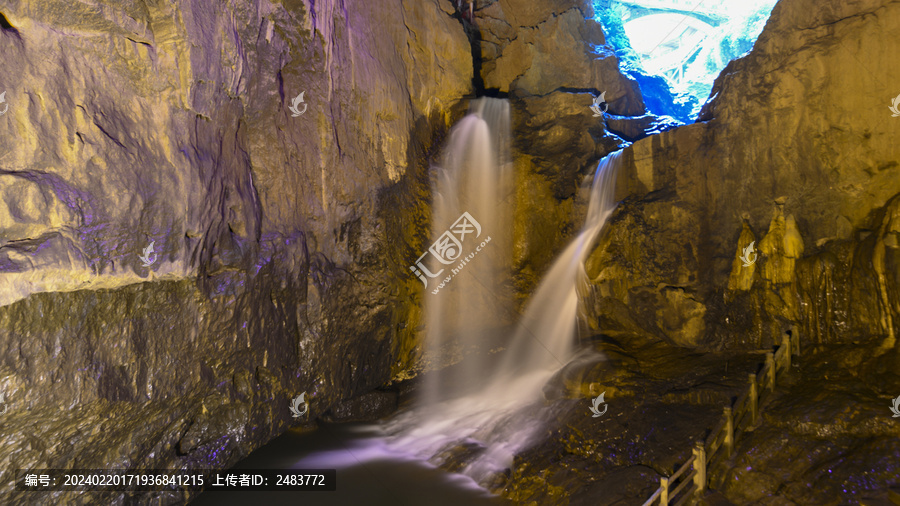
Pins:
x,y
257,145
551,58
534,48
776,159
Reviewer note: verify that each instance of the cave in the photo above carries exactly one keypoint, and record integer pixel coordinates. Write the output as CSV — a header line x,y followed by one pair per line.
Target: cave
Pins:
x,y
441,252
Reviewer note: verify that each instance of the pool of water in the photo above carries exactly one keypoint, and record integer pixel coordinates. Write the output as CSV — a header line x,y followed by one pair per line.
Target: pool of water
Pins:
x,y
368,473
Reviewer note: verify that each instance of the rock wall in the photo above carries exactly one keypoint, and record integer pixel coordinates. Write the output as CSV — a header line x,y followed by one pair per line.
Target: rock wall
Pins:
x,y
551,59
277,269
796,152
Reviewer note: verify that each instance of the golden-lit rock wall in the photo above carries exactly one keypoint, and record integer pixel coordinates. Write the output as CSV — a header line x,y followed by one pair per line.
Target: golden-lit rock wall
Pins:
x,y
797,151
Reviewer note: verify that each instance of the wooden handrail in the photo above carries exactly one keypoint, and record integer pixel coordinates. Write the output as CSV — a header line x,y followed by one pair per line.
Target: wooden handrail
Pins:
x,y
699,468
732,416
687,481
739,419
788,345
653,497
716,438
740,402
715,432
681,469
715,444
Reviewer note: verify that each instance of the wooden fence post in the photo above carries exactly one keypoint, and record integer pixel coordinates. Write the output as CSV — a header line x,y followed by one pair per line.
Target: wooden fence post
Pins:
x,y
729,432
699,469
770,363
754,399
788,349
664,496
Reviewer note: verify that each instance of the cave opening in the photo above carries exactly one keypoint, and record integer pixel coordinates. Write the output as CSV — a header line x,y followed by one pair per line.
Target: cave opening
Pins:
x,y
676,48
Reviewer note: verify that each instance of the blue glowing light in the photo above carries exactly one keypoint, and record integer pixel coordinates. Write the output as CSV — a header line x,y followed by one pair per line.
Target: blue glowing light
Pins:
x,y
676,48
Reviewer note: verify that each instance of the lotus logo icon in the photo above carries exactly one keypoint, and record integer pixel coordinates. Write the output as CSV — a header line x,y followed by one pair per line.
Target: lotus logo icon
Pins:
x,y
895,106
296,102
146,256
596,402
3,101
295,405
600,105
746,256
895,408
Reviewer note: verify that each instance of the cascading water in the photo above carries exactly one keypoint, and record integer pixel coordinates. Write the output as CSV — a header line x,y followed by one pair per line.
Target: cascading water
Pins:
x,y
490,425
545,335
470,256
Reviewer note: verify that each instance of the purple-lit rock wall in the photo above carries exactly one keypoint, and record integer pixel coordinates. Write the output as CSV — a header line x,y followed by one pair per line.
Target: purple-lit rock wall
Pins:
x,y
279,261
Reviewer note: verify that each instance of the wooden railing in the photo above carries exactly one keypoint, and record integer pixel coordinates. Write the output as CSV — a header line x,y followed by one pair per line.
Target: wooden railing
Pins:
x,y
720,442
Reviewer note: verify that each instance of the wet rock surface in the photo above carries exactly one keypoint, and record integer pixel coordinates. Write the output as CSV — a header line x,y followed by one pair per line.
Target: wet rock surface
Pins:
x,y
552,60
827,435
367,407
660,400
637,127
281,260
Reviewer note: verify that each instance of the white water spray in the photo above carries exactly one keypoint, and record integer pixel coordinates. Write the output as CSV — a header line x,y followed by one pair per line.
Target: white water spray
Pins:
x,y
475,177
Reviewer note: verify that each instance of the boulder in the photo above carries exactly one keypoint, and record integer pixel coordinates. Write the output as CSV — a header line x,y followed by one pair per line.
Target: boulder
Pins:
x,y
535,48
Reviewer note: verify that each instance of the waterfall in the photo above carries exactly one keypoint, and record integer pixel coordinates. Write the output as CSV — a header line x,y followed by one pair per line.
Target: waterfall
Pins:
x,y
469,258
546,333
482,429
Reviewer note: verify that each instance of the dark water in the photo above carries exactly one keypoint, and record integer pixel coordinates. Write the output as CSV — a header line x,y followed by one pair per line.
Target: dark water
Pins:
x,y
368,474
